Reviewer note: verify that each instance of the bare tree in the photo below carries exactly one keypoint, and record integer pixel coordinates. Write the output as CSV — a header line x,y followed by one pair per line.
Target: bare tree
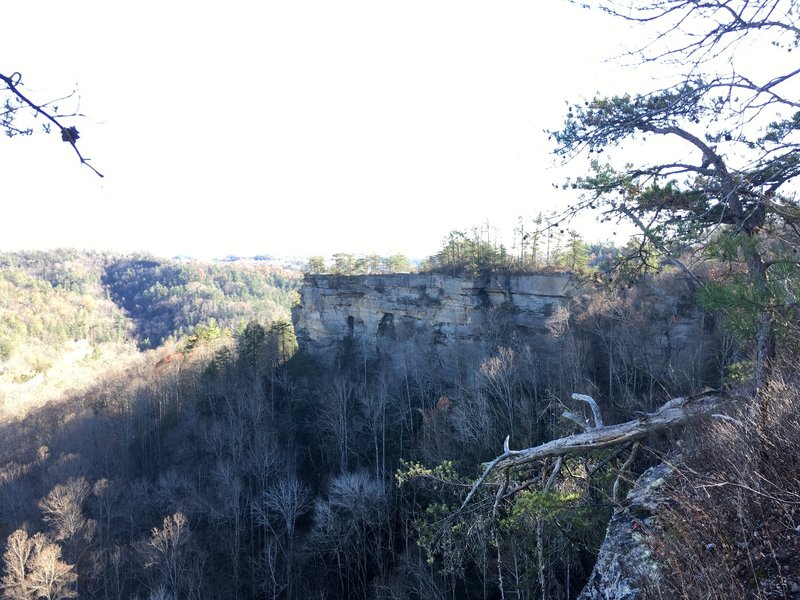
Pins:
x,y
115,578
168,554
107,505
285,503
336,419
273,578
227,513
34,569
499,375
471,418
345,524
161,593
379,410
62,510
51,578
18,564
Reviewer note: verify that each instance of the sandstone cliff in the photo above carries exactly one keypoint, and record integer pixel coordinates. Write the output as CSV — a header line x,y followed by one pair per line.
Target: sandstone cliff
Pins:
x,y
450,320
653,332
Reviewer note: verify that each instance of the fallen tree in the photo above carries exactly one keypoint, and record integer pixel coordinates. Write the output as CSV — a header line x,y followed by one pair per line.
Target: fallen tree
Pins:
x,y
595,436
618,568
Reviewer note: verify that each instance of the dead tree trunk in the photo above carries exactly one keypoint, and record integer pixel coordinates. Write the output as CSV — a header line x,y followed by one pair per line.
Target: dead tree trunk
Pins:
x,y
675,412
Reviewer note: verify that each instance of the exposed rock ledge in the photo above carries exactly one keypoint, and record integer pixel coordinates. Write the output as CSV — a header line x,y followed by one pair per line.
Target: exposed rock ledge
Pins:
x,y
625,569
446,319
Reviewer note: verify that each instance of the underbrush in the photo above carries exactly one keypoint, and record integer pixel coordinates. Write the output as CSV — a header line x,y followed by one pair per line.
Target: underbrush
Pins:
x,y
732,529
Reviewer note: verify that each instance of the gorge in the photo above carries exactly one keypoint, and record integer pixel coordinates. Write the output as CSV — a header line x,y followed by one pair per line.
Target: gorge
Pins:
x,y
655,332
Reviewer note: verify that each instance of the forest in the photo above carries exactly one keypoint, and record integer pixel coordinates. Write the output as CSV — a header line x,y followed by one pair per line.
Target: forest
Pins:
x,y
226,463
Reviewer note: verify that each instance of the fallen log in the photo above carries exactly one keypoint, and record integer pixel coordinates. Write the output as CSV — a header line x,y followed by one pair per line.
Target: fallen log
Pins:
x,y
675,412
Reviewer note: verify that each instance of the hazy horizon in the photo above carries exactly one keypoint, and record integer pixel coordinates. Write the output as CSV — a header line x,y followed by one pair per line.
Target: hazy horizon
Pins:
x,y
297,129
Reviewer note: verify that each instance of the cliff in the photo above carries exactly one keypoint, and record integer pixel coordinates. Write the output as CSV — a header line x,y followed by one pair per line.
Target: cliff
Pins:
x,y
633,346
450,320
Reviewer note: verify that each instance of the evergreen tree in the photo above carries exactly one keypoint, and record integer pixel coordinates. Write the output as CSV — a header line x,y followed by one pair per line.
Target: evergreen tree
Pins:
x,y
720,146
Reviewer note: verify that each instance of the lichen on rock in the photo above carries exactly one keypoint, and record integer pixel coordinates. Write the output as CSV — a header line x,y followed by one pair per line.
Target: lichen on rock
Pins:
x,y
625,568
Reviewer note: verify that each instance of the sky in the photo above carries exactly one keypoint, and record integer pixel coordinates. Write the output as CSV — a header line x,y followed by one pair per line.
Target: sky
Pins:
x,y
295,128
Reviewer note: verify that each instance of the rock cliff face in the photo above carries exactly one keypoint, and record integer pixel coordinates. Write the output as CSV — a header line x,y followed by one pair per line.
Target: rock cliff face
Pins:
x,y
449,320
651,336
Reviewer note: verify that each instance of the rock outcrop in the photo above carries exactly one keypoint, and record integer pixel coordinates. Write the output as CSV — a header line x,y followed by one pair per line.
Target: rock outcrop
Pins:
x,y
625,569
455,322
449,320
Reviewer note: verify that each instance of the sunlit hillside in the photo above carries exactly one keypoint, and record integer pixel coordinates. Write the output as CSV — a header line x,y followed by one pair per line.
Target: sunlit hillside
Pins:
x,y
66,316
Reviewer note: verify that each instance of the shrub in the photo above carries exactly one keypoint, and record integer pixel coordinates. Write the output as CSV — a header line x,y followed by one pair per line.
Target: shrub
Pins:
x,y
733,528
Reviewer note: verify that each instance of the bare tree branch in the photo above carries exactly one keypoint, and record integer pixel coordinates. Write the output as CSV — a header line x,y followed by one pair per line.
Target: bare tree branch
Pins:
x,y
68,134
598,419
672,414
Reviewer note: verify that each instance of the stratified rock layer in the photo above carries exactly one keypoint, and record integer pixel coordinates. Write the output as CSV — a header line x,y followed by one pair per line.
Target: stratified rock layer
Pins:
x,y
449,320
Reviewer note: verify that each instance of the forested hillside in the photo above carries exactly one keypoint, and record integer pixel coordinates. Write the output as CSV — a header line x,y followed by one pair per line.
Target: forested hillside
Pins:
x,y
66,315
168,298
229,466
50,298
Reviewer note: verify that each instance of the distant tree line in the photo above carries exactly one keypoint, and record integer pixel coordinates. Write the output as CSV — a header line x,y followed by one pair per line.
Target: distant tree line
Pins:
x,y
538,245
351,264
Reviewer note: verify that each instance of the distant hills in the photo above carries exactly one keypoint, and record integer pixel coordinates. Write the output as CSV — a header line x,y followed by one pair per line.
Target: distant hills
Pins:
x,y
166,298
49,299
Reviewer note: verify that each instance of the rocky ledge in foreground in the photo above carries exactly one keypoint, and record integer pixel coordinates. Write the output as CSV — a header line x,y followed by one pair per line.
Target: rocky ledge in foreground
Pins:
x,y
625,569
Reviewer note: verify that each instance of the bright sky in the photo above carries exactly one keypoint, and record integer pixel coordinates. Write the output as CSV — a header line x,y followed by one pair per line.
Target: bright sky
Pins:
x,y
294,127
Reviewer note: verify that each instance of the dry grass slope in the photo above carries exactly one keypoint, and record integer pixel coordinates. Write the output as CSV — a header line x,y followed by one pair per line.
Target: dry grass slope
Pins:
x,y
733,528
